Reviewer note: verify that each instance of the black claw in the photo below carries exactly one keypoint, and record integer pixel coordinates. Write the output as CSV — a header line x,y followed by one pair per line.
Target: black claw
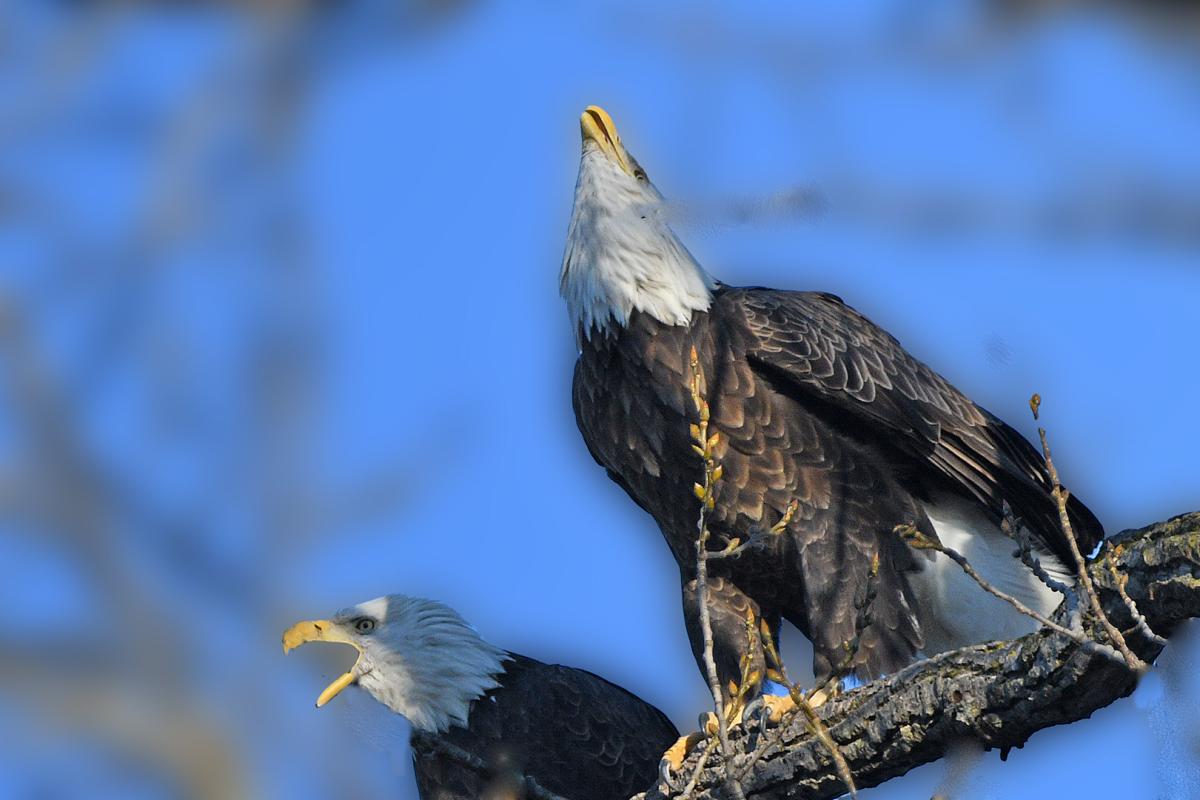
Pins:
x,y
755,712
755,706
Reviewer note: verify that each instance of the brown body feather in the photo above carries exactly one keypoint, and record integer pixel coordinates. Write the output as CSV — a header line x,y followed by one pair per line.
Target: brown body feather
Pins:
x,y
817,405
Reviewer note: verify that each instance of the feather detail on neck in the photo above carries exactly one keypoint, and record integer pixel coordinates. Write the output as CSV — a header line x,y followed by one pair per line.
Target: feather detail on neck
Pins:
x,y
622,257
426,663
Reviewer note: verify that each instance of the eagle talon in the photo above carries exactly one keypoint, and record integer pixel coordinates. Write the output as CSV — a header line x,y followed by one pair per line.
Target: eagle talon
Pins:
x,y
677,753
757,710
777,707
665,772
755,706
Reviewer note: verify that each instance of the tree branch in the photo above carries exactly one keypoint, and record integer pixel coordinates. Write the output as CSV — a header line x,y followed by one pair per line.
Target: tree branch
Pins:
x,y
998,694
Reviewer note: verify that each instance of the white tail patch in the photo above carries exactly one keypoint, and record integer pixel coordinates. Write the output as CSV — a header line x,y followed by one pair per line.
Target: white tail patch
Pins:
x,y
954,611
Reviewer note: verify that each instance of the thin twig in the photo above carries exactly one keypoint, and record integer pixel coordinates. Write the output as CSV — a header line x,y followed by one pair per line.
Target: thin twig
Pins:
x,y
736,547
705,446
1060,496
922,542
818,728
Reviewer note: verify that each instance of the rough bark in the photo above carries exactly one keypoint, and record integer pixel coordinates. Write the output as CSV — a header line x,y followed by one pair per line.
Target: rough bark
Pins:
x,y
999,693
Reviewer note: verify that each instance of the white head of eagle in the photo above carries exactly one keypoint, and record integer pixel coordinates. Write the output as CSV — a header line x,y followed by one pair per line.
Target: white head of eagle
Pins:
x,y
621,255
417,657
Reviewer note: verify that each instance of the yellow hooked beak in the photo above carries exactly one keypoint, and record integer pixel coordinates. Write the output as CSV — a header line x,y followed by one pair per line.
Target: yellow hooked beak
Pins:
x,y
597,126
322,630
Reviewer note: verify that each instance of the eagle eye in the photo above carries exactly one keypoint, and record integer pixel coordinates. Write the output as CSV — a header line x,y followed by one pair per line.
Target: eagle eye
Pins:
x,y
364,624
640,174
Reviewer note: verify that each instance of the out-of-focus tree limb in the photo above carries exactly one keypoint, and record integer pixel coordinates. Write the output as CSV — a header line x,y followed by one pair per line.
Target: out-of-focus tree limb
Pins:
x,y
998,694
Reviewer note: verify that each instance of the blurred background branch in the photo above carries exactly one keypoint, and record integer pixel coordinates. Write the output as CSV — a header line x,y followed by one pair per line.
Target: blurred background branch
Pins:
x,y
169,571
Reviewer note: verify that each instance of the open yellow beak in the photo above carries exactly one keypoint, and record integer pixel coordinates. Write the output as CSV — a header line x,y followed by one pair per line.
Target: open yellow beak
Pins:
x,y
597,126
322,630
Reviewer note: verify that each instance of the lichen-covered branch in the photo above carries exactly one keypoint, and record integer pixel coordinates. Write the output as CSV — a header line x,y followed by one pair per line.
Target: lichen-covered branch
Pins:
x,y
998,694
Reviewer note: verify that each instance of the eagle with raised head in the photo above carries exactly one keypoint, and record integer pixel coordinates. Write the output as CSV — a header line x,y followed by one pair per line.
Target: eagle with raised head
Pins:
x,y
486,720
815,408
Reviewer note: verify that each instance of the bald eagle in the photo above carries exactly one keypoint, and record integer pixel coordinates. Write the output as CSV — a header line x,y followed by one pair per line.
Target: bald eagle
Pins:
x,y
488,719
814,405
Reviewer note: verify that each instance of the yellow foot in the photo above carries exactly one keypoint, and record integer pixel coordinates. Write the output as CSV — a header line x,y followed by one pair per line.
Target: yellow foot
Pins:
x,y
677,753
778,706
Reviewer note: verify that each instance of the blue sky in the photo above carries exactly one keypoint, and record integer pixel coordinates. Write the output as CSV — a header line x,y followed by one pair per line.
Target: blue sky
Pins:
x,y
406,240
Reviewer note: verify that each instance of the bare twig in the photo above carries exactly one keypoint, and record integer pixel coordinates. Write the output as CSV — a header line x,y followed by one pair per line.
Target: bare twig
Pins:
x,y
705,445
1060,495
735,547
817,726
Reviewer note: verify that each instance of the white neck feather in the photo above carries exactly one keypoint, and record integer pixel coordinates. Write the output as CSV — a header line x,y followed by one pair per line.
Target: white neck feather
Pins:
x,y
426,663
621,256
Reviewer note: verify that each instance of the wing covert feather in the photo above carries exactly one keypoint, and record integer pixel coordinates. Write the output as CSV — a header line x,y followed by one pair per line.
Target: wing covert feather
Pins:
x,y
831,354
